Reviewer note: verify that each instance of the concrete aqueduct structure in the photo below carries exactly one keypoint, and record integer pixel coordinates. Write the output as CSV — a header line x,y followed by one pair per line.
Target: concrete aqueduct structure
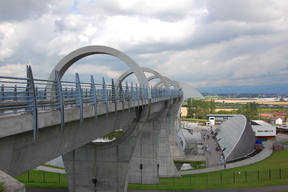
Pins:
x,y
141,155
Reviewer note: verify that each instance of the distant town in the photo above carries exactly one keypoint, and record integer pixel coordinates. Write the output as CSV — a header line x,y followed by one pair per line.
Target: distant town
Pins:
x,y
272,108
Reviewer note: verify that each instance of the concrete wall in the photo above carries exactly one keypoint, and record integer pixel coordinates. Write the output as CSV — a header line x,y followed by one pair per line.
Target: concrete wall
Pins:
x,y
11,184
21,153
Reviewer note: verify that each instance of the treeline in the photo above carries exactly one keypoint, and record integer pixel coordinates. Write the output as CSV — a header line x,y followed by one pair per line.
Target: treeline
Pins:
x,y
250,110
199,108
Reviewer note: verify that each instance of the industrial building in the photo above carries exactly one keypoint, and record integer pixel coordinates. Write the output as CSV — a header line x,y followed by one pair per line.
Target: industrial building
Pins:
x,y
235,137
263,130
217,119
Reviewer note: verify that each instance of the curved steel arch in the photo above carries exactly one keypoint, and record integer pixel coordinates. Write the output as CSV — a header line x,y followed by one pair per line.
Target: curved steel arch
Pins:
x,y
152,77
80,53
144,69
172,83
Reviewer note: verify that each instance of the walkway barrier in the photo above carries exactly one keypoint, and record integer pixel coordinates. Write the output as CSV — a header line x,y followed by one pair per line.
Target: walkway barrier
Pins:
x,y
212,180
29,96
34,176
195,180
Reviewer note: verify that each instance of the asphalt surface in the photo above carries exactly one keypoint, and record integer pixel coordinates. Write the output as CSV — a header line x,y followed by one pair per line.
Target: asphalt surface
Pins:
x,y
46,190
277,188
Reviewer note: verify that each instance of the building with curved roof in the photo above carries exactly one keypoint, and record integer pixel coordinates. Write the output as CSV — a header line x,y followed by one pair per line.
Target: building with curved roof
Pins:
x,y
235,137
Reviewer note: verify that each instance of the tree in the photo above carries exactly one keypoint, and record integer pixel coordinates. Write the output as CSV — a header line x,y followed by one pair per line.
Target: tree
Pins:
x,y
199,108
249,110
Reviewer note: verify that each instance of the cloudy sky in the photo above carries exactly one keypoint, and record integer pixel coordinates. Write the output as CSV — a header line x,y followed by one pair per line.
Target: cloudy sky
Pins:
x,y
201,42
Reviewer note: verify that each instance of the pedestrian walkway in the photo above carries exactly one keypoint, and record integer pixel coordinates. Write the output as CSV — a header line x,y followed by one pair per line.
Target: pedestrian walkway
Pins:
x,y
277,188
266,152
50,169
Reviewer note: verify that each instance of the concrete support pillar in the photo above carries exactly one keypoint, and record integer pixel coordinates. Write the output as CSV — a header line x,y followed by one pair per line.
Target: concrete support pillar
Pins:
x,y
167,167
144,167
175,147
101,167
168,143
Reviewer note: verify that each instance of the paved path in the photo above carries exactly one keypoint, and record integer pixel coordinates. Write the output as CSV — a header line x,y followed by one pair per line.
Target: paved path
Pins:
x,y
259,157
50,169
277,188
46,190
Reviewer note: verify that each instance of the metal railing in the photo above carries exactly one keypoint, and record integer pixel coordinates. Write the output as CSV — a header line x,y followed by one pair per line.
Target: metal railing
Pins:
x,y
29,95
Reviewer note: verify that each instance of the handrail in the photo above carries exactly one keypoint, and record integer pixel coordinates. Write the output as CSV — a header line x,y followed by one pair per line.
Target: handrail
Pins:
x,y
29,95
15,95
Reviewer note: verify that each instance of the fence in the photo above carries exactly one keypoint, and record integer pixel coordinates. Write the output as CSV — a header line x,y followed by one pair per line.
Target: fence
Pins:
x,y
208,179
42,177
29,95
226,177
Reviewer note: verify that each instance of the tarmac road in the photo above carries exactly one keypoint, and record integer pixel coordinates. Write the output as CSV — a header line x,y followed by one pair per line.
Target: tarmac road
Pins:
x,y
277,188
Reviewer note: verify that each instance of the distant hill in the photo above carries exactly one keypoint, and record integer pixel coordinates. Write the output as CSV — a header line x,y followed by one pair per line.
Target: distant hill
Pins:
x,y
260,89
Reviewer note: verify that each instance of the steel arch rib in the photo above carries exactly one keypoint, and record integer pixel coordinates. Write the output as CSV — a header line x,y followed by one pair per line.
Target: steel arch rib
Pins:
x,y
144,69
80,53
170,82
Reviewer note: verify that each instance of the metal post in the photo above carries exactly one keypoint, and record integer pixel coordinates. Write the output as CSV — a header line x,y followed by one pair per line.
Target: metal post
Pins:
x,y
93,96
132,96
59,98
15,93
114,96
121,95
269,173
104,95
246,179
79,97
220,178
66,93
127,95
141,94
32,103
137,95
2,92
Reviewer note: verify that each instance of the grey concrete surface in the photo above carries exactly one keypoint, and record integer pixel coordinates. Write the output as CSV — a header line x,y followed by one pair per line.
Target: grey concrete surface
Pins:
x,y
45,190
277,188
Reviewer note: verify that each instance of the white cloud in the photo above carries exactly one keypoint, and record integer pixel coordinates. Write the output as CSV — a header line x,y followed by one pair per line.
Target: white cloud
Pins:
x,y
223,42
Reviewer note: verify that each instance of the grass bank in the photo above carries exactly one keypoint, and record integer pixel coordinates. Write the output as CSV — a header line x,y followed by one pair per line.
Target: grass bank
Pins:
x,y
43,179
273,170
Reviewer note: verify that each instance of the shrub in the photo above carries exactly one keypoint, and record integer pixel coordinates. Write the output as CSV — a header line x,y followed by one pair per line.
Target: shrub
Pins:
x,y
1,187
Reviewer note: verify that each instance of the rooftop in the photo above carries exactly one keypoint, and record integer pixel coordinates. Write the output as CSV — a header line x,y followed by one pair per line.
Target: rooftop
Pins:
x,y
221,115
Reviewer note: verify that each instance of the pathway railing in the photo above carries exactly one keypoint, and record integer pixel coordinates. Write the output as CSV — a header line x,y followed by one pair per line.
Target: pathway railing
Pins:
x,y
29,95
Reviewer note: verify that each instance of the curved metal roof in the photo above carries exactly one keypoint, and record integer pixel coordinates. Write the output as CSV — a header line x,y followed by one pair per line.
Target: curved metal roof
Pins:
x,y
235,137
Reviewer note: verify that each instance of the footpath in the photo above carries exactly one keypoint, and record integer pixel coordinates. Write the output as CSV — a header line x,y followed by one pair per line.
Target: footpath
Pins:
x,y
266,152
